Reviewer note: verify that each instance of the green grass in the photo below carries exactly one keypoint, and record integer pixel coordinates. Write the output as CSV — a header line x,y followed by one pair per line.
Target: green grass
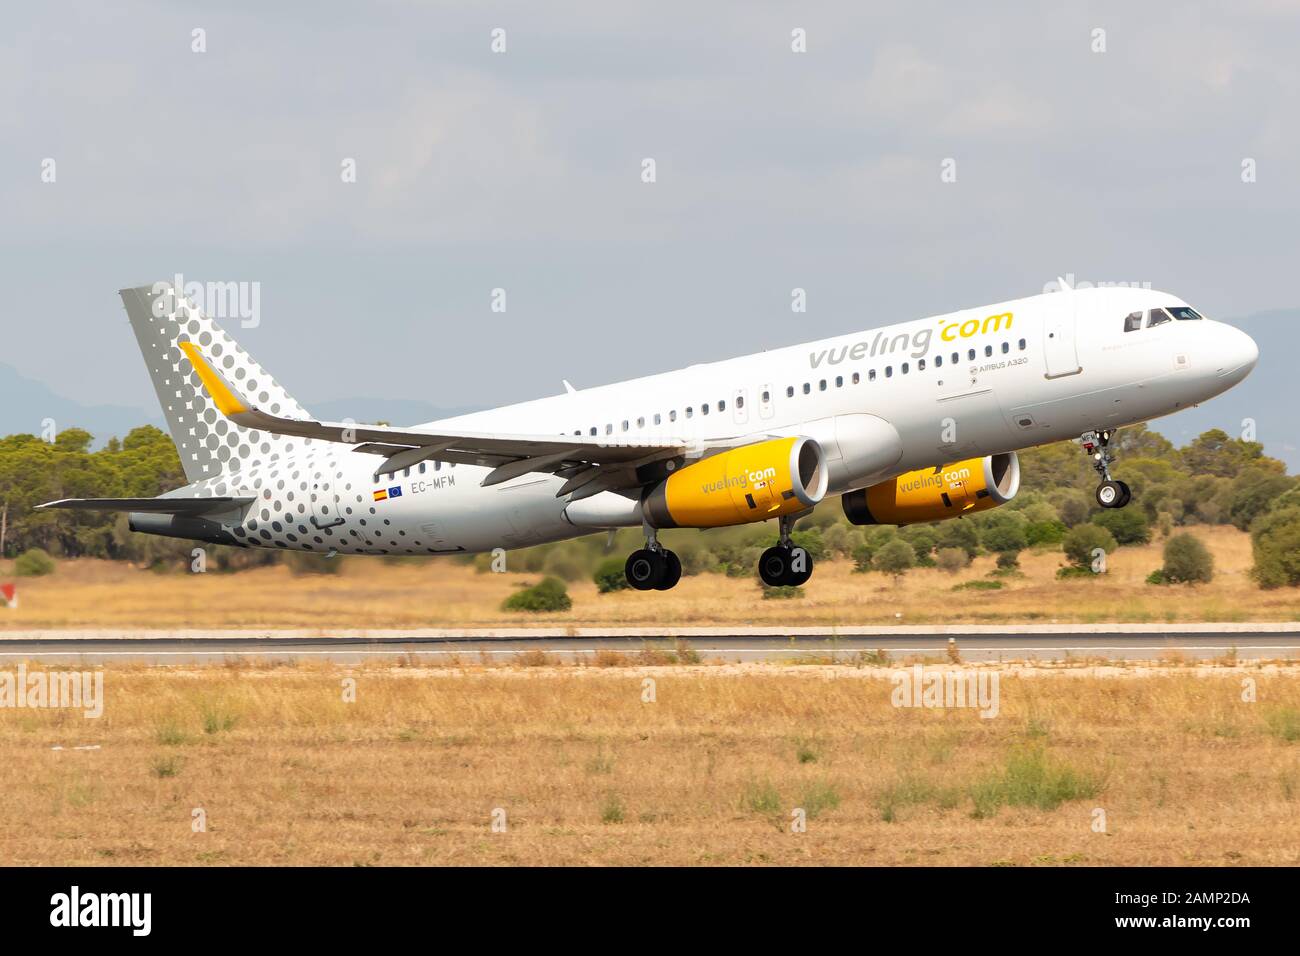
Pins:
x,y
611,811
761,798
216,719
819,797
166,766
1284,722
169,734
1032,778
978,584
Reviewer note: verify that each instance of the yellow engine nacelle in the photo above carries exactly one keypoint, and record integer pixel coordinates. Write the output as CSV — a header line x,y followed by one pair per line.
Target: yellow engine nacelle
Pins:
x,y
751,483
932,494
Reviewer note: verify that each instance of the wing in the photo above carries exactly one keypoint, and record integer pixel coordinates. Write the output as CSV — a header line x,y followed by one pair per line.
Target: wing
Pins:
x,y
588,464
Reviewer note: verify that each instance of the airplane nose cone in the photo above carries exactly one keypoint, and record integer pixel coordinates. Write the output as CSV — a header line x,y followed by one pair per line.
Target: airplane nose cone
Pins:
x,y
1238,354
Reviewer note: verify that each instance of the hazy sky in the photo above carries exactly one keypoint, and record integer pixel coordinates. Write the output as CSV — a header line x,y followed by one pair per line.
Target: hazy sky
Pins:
x,y
522,170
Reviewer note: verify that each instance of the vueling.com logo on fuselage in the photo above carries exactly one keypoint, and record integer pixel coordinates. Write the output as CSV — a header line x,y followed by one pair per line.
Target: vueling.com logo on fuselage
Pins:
x,y
755,479
916,344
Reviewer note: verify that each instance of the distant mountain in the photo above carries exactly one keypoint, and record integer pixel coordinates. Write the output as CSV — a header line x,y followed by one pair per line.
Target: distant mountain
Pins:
x,y
25,403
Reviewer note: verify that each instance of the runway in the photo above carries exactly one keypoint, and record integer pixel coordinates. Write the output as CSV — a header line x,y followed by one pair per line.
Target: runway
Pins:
x,y
1041,643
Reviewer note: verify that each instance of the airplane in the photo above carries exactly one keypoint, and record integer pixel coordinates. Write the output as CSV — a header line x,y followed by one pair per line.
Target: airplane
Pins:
x,y
913,422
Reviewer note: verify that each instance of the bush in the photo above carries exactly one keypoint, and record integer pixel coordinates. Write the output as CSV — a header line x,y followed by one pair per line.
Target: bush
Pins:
x,y
1275,539
1127,525
609,576
1187,561
952,559
548,595
1080,542
923,538
979,584
33,563
1044,532
784,591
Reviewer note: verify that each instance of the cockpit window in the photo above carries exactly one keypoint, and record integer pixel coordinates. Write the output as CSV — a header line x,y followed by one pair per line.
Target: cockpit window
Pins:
x,y
1133,322
1158,317
1184,312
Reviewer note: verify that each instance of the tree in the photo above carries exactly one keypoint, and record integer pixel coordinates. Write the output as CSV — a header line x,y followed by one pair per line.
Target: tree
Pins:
x,y
1253,492
1187,560
895,558
1128,525
1080,543
1275,540
1006,538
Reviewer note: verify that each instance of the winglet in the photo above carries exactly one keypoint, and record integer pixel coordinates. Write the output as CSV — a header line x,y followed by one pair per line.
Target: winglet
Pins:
x,y
228,403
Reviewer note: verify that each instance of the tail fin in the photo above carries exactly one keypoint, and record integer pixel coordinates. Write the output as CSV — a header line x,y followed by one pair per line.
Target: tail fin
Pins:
x,y
208,444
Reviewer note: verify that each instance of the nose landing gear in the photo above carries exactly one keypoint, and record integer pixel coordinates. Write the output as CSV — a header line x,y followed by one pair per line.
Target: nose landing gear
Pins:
x,y
1110,493
654,567
785,564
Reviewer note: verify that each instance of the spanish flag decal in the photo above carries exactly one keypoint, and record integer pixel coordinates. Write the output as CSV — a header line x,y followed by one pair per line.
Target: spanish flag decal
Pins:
x,y
381,495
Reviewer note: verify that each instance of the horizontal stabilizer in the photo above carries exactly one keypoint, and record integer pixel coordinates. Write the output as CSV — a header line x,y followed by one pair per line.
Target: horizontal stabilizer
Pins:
x,y
162,506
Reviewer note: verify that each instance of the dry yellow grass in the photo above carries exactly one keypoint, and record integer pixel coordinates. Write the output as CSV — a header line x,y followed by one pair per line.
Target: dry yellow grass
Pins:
x,y
370,593
586,772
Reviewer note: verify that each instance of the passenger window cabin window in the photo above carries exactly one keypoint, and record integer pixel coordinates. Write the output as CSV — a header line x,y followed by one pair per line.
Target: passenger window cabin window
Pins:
x,y
970,355
767,396
938,361
807,389
593,429
422,464
740,400
690,411
437,466
956,357
609,429
704,409
722,404
1158,317
856,378
1022,345
988,351
839,381
640,422
871,375
1006,347
672,416
1132,322
889,371
920,365
658,419
789,391
625,424
821,386
904,368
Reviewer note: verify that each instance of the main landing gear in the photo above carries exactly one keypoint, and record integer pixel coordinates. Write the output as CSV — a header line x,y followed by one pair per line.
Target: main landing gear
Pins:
x,y
785,564
654,567
1110,493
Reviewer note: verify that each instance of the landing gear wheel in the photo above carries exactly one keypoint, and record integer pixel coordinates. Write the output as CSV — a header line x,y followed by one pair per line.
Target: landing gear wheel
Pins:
x,y
801,567
672,571
1125,494
774,566
781,566
1111,494
645,569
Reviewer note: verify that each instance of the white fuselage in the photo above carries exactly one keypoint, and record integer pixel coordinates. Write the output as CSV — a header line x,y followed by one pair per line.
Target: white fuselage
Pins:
x,y
977,382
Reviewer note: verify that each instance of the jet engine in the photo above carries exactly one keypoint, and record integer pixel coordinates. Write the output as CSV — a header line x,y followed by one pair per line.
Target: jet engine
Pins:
x,y
767,479
932,494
